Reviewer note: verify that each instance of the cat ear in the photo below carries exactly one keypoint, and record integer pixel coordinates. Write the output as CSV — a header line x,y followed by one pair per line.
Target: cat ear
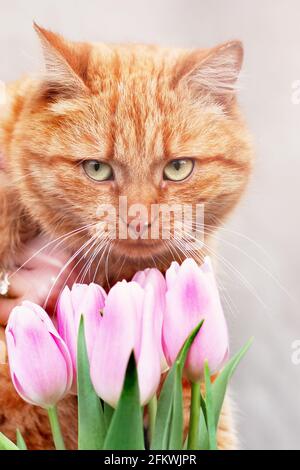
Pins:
x,y
65,64
215,72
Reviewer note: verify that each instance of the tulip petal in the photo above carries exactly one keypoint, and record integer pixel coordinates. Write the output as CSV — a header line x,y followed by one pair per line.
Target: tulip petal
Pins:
x,y
116,338
149,366
91,305
40,313
171,274
186,302
82,299
66,324
191,297
39,361
211,343
153,277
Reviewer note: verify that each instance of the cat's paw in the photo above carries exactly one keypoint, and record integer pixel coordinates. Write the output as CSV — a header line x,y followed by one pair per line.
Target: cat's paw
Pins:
x,y
39,275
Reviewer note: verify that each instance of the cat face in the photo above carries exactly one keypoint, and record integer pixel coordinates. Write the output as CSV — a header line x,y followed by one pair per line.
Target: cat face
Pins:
x,y
154,125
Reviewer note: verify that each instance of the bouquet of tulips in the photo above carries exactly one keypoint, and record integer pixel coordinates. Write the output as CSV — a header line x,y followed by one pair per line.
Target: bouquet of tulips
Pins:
x,y
124,354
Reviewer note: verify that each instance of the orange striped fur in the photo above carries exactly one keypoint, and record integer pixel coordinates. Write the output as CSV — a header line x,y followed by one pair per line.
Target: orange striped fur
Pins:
x,y
135,106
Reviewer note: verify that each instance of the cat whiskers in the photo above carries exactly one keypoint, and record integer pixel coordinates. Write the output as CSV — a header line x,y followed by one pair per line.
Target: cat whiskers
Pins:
x,y
194,253
211,231
229,266
107,263
62,238
100,259
93,240
123,257
66,265
220,227
100,242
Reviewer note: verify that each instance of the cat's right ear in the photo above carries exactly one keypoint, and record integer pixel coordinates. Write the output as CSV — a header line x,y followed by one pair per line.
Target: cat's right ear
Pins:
x,y
212,71
65,65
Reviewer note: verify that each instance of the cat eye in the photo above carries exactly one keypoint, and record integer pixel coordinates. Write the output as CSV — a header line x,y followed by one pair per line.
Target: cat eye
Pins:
x,y
98,171
178,170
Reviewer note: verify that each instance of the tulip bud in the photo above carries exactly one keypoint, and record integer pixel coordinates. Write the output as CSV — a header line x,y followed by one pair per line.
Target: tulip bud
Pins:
x,y
39,360
192,296
128,324
82,299
154,278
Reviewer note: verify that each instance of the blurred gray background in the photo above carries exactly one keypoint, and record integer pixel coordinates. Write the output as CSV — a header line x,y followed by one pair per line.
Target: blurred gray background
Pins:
x,y
259,263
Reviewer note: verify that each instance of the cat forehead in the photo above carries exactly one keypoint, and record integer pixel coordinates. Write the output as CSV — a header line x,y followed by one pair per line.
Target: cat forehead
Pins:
x,y
133,58
122,68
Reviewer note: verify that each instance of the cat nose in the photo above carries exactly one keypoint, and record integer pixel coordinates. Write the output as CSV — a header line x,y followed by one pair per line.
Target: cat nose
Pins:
x,y
137,227
140,226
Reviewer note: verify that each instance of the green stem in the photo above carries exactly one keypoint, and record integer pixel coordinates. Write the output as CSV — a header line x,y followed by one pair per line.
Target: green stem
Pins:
x,y
210,415
55,428
152,410
193,436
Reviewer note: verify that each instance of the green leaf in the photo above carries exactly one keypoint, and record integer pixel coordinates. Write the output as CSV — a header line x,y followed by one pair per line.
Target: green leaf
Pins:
x,y
203,432
20,441
161,433
126,428
169,422
203,407
108,414
152,412
218,391
7,444
176,427
91,424
210,411
220,384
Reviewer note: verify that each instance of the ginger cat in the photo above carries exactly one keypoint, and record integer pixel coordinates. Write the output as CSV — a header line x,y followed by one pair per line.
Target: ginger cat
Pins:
x,y
150,123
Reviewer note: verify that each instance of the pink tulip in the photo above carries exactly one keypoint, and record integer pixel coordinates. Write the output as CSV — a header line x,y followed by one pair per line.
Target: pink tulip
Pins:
x,y
192,296
39,360
154,278
82,299
128,324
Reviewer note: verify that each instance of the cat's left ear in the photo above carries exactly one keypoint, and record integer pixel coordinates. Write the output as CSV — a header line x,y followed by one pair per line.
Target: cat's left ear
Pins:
x,y
65,64
213,71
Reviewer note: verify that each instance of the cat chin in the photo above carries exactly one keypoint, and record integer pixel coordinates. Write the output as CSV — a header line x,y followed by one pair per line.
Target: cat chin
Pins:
x,y
139,249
